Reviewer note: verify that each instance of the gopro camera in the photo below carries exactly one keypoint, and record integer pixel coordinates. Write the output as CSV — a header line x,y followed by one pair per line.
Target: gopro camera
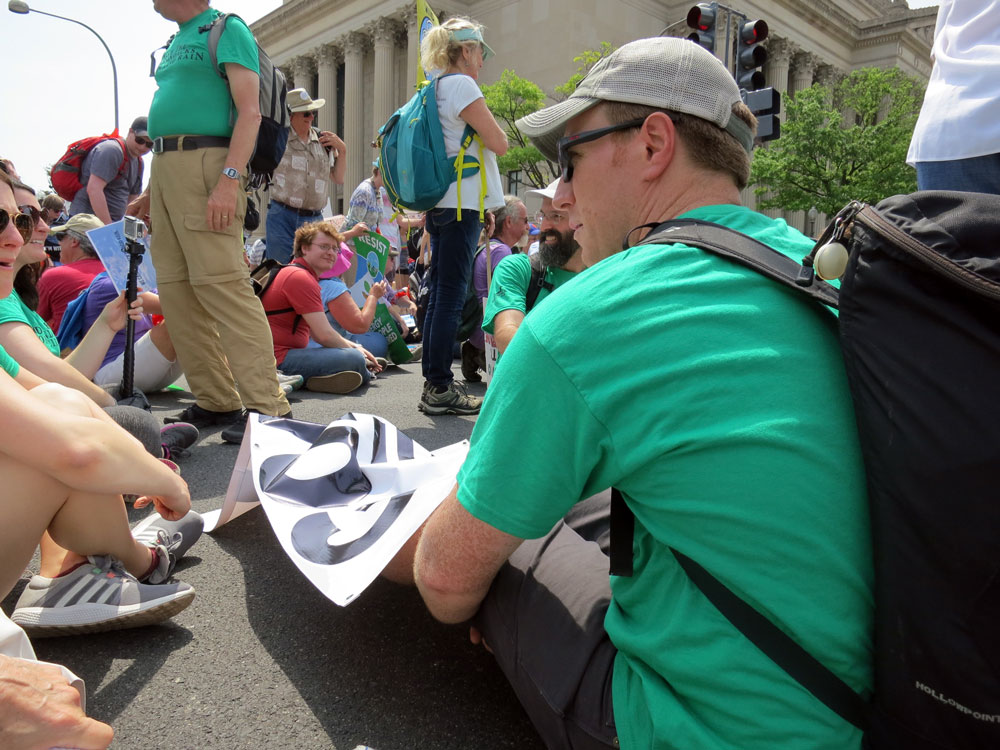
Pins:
x,y
135,229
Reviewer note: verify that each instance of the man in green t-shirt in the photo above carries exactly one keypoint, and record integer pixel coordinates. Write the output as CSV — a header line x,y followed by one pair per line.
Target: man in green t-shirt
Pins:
x,y
196,201
712,398
558,254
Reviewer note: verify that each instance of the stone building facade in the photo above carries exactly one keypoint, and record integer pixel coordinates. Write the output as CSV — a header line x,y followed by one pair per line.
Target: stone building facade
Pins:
x,y
360,55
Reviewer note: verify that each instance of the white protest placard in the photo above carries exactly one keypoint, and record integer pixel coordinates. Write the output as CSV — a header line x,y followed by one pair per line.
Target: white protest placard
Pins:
x,y
342,498
109,242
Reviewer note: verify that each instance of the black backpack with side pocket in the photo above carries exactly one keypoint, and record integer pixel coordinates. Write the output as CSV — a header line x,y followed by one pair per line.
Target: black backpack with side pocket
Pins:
x,y
919,329
261,279
272,134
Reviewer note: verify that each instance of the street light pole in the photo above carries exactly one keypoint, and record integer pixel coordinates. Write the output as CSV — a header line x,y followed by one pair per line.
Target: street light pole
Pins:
x,y
18,6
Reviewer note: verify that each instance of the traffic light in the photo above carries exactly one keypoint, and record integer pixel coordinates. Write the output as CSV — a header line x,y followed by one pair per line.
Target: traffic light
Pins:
x,y
701,18
750,55
765,104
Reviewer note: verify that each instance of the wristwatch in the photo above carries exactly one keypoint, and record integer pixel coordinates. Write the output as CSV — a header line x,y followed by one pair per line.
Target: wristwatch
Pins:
x,y
231,173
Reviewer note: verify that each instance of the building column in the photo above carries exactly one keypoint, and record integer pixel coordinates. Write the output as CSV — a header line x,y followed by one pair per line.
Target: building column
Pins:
x,y
412,46
327,58
354,111
779,58
384,32
304,67
804,64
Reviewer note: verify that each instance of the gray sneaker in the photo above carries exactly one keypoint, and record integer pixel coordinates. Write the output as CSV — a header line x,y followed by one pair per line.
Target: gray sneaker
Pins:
x,y
98,596
178,535
454,400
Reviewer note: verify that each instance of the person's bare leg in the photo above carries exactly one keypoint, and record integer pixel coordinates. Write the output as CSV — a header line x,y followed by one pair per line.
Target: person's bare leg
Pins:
x,y
56,560
160,337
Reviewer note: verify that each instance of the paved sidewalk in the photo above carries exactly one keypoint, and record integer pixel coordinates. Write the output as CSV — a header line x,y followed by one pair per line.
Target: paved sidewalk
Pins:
x,y
261,659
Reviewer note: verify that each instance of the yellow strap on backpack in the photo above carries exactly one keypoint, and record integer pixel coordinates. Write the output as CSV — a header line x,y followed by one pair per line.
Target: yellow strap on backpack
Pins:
x,y
461,164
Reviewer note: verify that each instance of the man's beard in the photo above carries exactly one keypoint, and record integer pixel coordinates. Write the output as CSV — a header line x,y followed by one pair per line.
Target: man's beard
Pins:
x,y
559,253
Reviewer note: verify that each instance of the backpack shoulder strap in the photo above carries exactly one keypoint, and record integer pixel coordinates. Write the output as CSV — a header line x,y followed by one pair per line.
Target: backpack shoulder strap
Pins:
x,y
214,35
536,285
746,251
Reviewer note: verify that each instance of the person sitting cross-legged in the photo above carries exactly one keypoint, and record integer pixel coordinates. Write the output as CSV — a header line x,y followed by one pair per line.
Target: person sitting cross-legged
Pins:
x,y
296,313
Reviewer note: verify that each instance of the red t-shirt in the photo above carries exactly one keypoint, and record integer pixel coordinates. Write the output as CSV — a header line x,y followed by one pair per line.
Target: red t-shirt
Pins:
x,y
60,285
298,288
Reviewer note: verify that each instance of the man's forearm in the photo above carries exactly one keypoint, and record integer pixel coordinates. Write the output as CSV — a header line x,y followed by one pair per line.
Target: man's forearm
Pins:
x,y
243,140
99,203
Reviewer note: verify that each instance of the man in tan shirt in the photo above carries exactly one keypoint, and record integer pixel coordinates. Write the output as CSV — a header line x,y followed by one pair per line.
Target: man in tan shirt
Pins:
x,y
301,184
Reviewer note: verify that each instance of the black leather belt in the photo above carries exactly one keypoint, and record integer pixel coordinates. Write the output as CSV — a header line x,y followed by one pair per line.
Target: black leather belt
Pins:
x,y
297,211
188,142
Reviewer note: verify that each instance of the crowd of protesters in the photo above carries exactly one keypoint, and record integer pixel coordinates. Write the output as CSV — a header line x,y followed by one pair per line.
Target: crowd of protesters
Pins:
x,y
657,130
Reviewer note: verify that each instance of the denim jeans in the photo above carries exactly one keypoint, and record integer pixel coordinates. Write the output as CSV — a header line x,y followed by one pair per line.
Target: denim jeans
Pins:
x,y
979,174
453,245
281,225
324,361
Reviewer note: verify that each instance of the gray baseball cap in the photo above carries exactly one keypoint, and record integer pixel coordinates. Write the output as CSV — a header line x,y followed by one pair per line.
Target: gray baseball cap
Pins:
x,y
662,72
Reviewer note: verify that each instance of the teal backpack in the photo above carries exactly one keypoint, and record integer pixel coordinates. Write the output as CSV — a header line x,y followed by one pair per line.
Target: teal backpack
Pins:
x,y
416,170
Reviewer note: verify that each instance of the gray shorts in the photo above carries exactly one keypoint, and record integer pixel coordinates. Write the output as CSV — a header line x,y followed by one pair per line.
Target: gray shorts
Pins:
x,y
544,620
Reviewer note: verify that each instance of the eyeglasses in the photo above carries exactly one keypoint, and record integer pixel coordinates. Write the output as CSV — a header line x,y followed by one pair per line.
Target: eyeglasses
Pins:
x,y
567,142
310,113
35,213
325,247
143,141
24,224
555,217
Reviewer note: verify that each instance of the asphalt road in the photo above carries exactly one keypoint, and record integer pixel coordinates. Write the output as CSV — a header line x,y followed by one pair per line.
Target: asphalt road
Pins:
x,y
261,659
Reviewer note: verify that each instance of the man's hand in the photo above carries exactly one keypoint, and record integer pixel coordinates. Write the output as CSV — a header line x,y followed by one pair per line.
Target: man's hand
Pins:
x,y
221,209
333,142
39,709
140,208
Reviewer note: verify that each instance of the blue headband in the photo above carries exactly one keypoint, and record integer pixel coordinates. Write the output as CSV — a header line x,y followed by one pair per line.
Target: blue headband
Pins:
x,y
472,35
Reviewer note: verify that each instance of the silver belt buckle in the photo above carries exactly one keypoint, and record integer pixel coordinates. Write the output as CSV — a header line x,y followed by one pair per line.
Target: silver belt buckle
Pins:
x,y
158,145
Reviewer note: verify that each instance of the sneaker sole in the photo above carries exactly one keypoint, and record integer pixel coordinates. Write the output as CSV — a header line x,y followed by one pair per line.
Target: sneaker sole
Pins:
x,y
436,411
99,618
339,382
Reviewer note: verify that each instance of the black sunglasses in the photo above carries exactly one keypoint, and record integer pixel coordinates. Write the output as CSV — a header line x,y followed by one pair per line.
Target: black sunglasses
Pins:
x,y
564,144
24,224
143,141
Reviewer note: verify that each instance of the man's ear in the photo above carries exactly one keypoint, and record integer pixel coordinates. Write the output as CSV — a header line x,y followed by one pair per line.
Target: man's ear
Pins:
x,y
658,136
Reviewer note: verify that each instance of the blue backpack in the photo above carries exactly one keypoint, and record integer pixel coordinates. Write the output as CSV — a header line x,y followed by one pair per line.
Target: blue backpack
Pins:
x,y
71,330
416,169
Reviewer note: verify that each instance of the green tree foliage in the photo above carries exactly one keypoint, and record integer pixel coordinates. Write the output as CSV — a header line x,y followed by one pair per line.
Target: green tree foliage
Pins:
x,y
822,161
585,61
509,99
513,97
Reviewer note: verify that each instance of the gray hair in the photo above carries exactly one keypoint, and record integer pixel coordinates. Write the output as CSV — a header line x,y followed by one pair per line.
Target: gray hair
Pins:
x,y
85,244
506,211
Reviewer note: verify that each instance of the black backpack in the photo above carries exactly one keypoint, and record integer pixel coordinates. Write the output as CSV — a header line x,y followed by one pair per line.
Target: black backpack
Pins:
x,y
261,279
272,135
919,329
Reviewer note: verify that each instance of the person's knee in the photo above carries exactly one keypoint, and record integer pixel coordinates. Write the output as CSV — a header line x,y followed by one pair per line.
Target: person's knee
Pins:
x,y
66,400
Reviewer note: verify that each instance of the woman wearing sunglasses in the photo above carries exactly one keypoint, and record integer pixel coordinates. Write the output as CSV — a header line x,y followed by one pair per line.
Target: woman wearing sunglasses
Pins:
x,y
456,47
64,464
